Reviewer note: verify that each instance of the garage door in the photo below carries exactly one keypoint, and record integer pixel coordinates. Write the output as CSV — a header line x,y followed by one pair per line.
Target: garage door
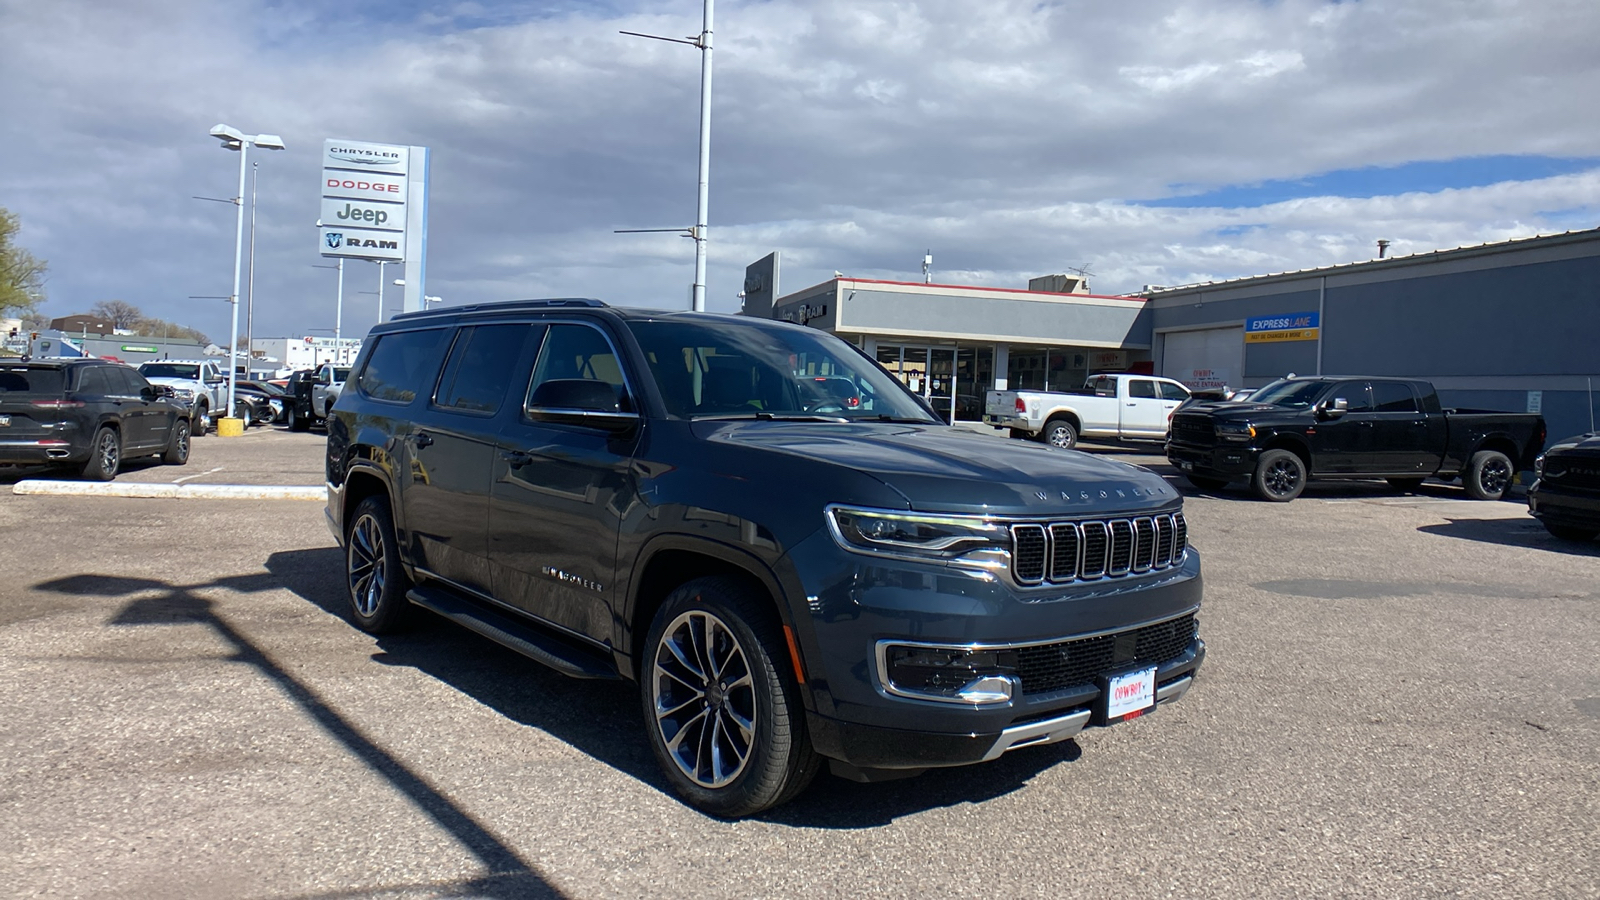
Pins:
x,y
1205,359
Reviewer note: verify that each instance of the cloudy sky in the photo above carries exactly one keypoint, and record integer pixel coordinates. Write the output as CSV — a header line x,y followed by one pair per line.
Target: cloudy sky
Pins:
x,y
1157,142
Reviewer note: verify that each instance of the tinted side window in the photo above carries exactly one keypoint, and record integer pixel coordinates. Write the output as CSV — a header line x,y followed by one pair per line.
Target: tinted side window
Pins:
x,y
1172,391
1393,396
1140,387
1356,394
402,365
479,368
127,381
577,352
92,380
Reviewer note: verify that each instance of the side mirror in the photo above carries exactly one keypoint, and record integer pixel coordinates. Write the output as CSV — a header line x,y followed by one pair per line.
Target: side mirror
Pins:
x,y
580,401
1333,409
149,392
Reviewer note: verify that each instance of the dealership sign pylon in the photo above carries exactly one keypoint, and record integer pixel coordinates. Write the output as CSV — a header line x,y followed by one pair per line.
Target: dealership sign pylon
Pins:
x,y
375,207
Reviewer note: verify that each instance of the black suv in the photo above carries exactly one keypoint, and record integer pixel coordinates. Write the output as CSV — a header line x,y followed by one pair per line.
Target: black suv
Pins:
x,y
791,573
86,413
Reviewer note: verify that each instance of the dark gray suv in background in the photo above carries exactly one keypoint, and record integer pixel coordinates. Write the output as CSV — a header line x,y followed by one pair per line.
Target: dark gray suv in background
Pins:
x,y
793,573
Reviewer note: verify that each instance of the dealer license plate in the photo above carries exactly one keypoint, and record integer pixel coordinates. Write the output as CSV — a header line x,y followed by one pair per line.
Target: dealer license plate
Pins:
x,y
1186,465
1130,693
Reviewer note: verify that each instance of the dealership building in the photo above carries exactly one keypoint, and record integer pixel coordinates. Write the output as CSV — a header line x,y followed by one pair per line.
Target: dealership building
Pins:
x,y
1513,325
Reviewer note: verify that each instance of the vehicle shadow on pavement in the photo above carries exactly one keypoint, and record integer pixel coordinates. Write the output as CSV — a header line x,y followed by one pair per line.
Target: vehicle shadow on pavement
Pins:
x,y
164,603
603,718
1519,532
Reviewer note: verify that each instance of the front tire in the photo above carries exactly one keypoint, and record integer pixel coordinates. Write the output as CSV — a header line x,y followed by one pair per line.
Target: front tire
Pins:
x,y
374,580
1488,475
1280,476
1060,434
295,421
721,706
200,422
178,445
105,456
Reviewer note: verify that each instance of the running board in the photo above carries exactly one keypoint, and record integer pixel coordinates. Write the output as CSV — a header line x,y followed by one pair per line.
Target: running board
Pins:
x,y
521,637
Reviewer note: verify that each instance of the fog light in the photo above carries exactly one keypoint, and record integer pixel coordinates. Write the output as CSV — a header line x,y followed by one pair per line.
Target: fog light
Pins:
x,y
952,674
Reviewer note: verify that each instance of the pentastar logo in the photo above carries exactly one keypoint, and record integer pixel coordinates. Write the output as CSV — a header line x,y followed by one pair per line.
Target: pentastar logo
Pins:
x,y
351,214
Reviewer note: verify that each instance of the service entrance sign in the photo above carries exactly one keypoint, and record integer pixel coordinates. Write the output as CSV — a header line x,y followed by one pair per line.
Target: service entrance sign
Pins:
x,y
364,200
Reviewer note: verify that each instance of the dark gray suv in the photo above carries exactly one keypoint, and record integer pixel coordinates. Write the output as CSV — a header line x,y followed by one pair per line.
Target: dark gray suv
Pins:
x,y
792,573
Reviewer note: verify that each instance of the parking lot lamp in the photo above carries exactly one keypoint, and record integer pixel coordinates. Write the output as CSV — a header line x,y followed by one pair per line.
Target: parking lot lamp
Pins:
x,y
234,139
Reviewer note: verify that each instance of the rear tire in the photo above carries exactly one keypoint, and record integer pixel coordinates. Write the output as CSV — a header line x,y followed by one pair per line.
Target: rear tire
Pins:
x,y
721,704
178,445
375,582
1405,485
1571,532
1060,434
105,456
1207,484
295,421
1280,476
1488,475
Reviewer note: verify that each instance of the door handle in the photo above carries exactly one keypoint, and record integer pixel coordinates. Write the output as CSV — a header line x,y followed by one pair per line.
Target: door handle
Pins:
x,y
424,439
516,458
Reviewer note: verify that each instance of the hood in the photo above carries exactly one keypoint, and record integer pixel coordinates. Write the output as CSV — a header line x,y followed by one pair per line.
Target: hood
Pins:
x,y
1584,445
168,379
1230,408
942,469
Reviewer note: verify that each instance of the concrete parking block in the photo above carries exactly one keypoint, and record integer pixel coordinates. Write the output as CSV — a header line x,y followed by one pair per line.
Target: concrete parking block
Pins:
x,y
168,491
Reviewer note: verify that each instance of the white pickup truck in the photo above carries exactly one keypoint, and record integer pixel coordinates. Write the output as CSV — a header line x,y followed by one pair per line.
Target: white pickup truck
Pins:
x,y
197,382
1123,407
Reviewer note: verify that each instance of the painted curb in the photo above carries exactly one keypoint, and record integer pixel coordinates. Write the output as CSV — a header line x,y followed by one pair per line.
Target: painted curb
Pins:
x,y
172,491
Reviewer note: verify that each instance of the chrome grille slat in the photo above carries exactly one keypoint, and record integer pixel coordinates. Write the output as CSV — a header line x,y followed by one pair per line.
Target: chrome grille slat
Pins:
x,y
1067,552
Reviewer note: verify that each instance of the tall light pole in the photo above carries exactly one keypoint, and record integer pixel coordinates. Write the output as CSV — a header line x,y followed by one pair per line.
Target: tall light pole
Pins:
x,y
250,286
702,210
234,139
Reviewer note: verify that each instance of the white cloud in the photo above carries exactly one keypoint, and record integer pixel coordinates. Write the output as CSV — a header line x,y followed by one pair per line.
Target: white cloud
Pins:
x,y
1010,137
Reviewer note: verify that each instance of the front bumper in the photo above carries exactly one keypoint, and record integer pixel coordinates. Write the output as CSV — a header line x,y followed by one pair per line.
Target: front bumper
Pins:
x,y
1574,507
875,747
1222,461
858,603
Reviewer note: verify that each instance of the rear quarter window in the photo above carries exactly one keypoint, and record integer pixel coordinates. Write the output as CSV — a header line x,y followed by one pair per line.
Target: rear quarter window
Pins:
x,y
403,364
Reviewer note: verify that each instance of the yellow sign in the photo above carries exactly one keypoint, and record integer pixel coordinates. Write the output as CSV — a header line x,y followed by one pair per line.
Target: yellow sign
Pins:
x,y
1263,337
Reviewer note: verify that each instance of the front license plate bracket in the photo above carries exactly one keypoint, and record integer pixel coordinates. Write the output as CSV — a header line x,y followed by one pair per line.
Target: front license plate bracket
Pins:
x,y
1125,695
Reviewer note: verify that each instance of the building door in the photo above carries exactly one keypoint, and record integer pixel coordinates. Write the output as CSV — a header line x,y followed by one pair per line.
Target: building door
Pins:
x,y
1208,359
940,387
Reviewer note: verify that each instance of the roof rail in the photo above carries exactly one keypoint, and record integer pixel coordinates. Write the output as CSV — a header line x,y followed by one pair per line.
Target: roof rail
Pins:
x,y
550,303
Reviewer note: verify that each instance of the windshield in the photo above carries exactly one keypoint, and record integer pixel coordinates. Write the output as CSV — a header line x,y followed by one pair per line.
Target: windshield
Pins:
x,y
170,370
705,368
1291,394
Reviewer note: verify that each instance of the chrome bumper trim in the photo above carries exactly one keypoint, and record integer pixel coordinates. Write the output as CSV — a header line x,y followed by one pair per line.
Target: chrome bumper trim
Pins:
x,y
1170,692
1048,731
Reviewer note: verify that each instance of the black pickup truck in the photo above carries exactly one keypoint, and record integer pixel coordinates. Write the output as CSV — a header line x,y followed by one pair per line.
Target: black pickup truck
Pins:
x,y
1295,429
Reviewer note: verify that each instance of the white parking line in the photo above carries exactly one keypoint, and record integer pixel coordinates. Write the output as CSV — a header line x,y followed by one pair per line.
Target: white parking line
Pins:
x,y
198,475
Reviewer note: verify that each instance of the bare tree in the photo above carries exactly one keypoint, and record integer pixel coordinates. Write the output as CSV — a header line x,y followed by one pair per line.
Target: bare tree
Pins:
x,y
121,313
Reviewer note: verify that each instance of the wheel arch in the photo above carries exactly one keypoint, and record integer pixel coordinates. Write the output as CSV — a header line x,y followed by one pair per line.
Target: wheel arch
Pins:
x,y
1063,412
1501,443
668,562
1294,445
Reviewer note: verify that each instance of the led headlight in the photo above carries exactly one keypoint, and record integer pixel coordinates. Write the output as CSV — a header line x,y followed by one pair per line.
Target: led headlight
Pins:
x,y
1538,466
1235,431
968,541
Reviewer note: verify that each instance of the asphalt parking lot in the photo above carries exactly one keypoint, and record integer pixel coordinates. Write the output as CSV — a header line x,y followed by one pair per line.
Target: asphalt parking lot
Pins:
x,y
1400,700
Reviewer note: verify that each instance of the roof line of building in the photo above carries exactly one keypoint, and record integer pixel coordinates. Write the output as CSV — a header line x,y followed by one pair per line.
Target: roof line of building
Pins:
x,y
972,287
1425,256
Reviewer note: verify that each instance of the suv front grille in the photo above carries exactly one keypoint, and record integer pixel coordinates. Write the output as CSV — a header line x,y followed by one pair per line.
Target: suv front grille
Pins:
x,y
1064,552
1052,667
1196,430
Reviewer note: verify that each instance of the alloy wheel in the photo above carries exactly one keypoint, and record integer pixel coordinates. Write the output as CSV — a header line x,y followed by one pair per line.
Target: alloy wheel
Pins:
x,y
109,454
704,699
1496,475
366,565
1282,477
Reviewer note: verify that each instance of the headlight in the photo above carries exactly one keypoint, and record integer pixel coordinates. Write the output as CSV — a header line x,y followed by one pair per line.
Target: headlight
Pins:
x,y
1235,431
1538,466
967,541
